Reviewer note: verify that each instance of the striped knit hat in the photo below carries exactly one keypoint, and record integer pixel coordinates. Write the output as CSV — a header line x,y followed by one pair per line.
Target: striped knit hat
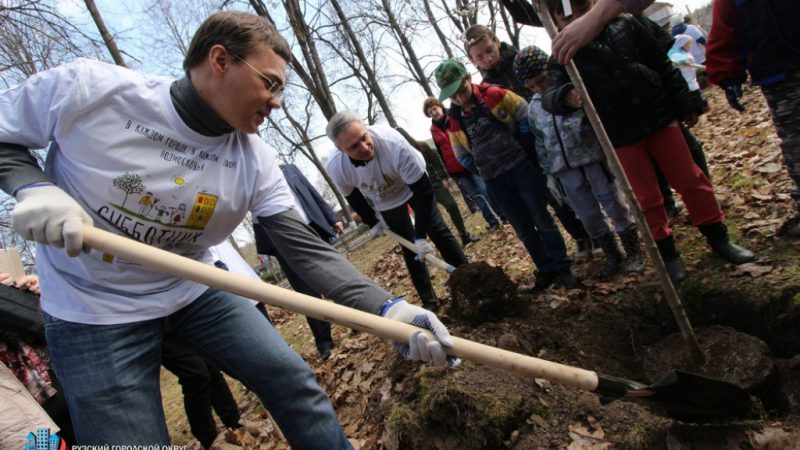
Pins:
x,y
529,62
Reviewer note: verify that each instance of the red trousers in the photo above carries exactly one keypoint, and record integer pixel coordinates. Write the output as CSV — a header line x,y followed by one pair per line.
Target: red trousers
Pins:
x,y
668,149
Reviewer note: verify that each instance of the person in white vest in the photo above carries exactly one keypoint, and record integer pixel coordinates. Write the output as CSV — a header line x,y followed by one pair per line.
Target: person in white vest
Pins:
x,y
191,146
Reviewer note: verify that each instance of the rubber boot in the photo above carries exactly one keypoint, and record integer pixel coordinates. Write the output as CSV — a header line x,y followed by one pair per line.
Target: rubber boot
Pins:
x,y
672,259
613,259
633,255
717,236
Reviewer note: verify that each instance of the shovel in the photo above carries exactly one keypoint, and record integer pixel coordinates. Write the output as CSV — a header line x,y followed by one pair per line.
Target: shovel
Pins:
x,y
429,257
685,396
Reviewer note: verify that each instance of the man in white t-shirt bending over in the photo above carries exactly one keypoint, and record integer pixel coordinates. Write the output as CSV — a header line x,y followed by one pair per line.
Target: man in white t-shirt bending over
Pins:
x,y
378,163
176,165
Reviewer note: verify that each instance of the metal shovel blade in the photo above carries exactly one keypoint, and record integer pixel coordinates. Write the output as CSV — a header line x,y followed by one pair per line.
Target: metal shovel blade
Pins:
x,y
684,396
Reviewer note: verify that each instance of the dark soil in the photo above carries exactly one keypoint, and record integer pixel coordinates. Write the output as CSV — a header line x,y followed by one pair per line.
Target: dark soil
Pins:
x,y
481,293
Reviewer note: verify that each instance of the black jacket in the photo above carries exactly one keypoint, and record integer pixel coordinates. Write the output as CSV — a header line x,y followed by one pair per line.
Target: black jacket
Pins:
x,y
633,85
502,74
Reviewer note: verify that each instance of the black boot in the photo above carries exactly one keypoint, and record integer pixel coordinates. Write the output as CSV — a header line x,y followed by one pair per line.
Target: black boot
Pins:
x,y
467,239
633,254
717,236
613,258
569,280
791,228
672,259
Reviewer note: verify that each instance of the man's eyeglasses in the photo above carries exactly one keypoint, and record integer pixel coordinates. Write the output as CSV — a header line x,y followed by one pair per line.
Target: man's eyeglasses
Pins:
x,y
274,87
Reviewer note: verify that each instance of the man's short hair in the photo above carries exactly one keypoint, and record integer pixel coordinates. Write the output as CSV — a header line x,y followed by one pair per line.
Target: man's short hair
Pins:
x,y
240,33
339,123
429,103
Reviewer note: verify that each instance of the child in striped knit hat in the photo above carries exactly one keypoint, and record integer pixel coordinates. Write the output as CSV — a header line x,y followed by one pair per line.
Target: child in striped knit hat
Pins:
x,y
573,160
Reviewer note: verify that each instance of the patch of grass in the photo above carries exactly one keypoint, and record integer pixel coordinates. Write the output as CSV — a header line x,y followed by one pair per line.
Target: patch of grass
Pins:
x,y
744,182
636,437
404,420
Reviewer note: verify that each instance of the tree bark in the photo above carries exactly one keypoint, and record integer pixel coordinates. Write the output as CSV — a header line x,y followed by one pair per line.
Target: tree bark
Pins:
x,y
411,58
105,34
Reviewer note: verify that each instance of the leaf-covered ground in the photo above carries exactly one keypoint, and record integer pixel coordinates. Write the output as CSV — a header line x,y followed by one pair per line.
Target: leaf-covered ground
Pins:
x,y
610,326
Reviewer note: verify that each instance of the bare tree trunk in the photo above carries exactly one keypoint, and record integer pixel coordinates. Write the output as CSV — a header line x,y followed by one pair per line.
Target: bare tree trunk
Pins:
x,y
320,87
367,67
322,97
104,33
411,58
437,29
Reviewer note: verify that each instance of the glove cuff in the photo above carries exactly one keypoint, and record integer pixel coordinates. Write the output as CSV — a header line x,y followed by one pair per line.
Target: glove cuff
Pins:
x,y
389,303
33,189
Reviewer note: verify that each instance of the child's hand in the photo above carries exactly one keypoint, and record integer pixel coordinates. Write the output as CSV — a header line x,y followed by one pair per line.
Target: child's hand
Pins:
x,y
573,99
29,283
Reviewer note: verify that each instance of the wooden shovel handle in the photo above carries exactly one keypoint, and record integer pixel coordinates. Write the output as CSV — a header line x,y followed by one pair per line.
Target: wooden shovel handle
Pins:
x,y
430,258
179,266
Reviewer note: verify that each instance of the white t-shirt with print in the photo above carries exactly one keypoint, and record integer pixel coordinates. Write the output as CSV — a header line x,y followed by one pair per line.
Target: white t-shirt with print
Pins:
x,y
385,178
119,148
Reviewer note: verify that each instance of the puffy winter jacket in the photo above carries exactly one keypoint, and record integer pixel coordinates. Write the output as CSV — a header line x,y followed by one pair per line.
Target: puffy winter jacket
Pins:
x,y
762,35
442,141
562,142
633,85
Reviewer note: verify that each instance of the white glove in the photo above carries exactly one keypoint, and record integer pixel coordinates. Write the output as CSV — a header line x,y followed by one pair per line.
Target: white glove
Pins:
x,y
379,229
419,348
49,215
423,248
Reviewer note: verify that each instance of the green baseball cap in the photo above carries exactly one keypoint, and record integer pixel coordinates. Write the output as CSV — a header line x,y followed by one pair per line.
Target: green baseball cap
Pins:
x,y
449,76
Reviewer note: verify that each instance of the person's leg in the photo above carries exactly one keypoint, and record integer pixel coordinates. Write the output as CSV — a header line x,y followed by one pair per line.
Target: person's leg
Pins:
x,y
783,99
578,193
195,380
444,240
668,147
670,152
222,398
564,213
641,174
640,170
522,201
229,333
696,150
398,221
320,329
110,376
475,188
444,198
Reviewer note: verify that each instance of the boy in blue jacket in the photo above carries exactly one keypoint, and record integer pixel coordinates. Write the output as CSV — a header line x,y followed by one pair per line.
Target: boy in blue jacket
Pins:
x,y
570,154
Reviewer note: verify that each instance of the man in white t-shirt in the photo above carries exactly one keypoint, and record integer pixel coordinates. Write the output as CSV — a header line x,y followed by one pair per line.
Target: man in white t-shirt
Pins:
x,y
377,163
190,147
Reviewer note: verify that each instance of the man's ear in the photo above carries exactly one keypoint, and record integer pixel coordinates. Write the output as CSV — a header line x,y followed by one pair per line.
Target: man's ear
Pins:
x,y
219,59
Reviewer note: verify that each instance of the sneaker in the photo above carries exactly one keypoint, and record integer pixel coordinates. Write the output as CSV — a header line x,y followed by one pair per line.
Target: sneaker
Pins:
x,y
493,227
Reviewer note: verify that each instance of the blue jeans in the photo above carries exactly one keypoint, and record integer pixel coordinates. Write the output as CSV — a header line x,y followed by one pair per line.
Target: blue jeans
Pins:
x,y
473,187
522,196
110,373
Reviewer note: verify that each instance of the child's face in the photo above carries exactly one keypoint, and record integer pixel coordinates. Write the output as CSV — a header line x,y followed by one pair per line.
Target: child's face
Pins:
x,y
577,11
688,46
435,112
538,83
463,95
485,53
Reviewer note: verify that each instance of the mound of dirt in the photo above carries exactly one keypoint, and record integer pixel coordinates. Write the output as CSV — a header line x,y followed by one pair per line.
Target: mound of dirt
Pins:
x,y
482,293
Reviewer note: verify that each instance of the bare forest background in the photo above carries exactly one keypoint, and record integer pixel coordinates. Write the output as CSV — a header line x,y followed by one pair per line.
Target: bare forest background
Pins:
x,y
361,55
